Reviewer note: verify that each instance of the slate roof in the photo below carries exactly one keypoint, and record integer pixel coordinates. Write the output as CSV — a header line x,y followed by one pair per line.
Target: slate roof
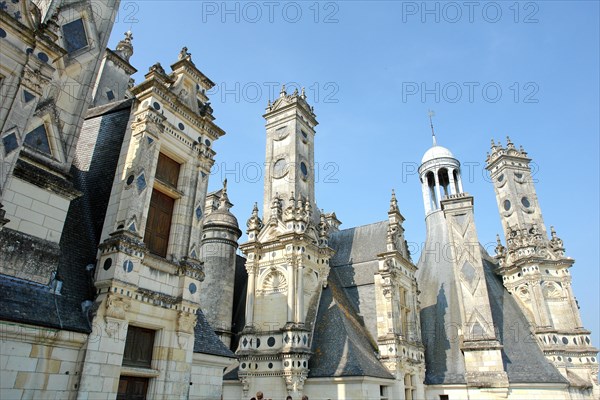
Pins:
x,y
27,302
205,340
343,339
341,344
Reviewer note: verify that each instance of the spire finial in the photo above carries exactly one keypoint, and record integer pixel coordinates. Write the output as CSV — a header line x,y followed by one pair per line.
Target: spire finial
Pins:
x,y
224,200
125,47
431,114
184,54
393,202
509,143
282,93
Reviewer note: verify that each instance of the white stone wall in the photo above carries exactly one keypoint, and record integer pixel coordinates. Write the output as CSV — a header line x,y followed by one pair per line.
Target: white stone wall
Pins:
x,y
364,388
35,211
515,392
207,376
39,363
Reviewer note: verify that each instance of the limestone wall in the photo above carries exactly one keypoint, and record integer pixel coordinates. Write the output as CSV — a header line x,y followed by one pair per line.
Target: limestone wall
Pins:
x,y
39,363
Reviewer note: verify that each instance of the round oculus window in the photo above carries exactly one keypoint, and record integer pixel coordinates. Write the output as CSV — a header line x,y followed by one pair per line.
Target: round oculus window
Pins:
x,y
280,168
506,205
303,169
501,178
525,202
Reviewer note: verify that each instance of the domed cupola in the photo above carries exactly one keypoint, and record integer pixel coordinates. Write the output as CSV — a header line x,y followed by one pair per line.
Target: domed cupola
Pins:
x,y
440,175
222,216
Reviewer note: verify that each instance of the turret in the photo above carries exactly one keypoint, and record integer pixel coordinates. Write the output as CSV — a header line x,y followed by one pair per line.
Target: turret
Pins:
x,y
217,250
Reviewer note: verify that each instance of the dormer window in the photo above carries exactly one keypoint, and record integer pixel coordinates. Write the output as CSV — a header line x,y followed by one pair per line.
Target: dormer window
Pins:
x,y
74,36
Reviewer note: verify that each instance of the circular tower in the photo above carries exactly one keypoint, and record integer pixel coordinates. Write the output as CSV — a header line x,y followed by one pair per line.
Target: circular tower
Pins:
x,y
217,250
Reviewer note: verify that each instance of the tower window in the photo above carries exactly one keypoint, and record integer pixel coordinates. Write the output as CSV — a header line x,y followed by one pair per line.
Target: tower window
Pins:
x,y
507,205
432,194
444,180
37,139
455,176
304,169
501,178
74,35
525,202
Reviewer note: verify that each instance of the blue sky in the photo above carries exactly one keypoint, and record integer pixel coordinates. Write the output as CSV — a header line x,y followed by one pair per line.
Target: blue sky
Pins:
x,y
373,70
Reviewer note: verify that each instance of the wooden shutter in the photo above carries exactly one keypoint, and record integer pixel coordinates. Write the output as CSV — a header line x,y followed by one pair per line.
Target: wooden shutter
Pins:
x,y
138,347
158,225
167,170
132,388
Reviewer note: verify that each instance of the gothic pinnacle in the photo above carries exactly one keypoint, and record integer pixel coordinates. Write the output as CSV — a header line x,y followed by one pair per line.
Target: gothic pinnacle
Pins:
x,y
282,93
393,202
224,200
509,143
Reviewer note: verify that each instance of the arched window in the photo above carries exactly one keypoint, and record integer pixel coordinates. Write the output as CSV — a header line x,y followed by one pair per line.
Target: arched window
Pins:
x,y
444,181
456,186
431,185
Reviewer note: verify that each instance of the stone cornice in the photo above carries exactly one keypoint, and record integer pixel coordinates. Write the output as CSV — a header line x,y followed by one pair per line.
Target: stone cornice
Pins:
x,y
189,67
152,86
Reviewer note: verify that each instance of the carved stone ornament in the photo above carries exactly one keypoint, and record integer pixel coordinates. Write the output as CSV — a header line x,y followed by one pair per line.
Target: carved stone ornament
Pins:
x,y
34,80
186,322
117,306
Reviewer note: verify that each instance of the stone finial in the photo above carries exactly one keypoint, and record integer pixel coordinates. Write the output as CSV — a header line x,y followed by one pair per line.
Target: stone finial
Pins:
x,y
125,48
509,143
522,150
303,94
323,226
556,242
282,93
158,68
393,202
500,250
254,222
184,54
224,200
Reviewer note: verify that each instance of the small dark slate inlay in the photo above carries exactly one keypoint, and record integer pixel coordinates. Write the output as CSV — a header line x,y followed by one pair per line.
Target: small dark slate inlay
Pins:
x,y
10,143
141,182
271,341
181,126
156,105
28,96
43,57
127,266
